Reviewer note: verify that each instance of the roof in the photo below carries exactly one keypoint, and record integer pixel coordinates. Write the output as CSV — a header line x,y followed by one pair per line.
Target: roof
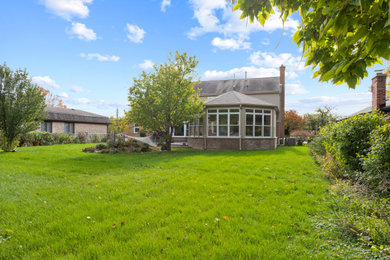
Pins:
x,y
236,98
74,115
253,85
369,109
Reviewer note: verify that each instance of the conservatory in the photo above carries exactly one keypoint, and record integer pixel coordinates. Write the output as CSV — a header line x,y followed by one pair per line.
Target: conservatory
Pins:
x,y
234,121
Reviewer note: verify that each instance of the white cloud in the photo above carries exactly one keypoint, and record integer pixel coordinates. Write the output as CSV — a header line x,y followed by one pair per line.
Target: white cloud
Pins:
x,y
295,89
77,89
229,23
82,32
68,8
253,72
230,44
135,33
165,4
99,57
344,103
44,82
147,64
270,59
63,95
82,101
266,42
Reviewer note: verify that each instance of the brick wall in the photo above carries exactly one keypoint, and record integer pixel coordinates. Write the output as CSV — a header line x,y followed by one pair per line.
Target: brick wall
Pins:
x,y
89,128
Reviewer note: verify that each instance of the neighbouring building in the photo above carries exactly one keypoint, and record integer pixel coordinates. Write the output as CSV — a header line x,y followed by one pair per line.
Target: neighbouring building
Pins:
x,y
379,99
73,121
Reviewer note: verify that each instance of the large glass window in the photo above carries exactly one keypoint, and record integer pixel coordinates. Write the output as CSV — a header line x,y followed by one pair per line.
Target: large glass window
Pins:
x,y
196,128
223,122
46,127
69,128
258,122
136,129
181,131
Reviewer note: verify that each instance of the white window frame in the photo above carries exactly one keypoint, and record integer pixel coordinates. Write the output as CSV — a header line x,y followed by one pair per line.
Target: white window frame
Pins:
x,y
195,125
136,129
228,113
185,131
271,125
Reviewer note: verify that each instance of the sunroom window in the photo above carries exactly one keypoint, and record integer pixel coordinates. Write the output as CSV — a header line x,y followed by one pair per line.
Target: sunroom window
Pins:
x,y
196,127
258,122
223,122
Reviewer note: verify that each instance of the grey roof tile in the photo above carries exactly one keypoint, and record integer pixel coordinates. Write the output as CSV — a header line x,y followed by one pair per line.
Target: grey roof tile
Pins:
x,y
74,115
236,98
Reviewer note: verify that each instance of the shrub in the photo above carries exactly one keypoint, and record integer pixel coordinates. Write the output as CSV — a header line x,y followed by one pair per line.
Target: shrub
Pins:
x,y
376,164
89,149
46,138
95,138
82,138
101,147
347,141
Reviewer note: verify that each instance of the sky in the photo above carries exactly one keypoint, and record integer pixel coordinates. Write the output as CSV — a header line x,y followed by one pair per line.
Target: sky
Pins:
x,y
89,51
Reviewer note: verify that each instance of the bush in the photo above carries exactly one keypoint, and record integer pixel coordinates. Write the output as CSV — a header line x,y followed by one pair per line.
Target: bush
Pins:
x,y
346,142
376,164
101,147
82,138
95,138
46,138
119,146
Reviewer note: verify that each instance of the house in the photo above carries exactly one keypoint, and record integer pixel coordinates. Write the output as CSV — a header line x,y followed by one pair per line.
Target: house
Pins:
x,y
73,121
239,114
379,99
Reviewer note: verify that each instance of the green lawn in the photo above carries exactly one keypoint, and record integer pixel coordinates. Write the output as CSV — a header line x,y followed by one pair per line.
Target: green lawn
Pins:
x,y
62,203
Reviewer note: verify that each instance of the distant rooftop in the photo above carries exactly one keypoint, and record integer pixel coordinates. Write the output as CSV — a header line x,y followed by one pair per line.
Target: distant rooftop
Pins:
x,y
74,115
254,85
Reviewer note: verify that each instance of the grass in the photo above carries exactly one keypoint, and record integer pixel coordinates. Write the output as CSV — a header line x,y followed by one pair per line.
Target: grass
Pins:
x,y
62,203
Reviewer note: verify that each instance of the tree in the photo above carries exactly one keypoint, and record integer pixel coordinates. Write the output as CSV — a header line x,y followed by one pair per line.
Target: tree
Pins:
x,y
387,71
323,117
51,99
165,98
293,121
339,38
22,106
118,125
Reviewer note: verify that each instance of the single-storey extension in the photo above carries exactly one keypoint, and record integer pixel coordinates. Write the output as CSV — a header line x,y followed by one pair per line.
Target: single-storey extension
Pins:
x,y
73,121
239,114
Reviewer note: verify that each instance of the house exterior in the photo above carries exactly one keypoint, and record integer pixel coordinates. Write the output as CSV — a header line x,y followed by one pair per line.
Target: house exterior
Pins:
x,y
73,121
239,114
379,99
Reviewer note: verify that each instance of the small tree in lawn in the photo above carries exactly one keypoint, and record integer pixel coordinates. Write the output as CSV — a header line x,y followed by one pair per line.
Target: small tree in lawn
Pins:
x,y
165,98
320,119
293,121
22,106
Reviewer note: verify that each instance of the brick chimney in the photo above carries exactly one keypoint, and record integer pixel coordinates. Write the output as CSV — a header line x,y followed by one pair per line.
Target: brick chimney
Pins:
x,y
282,99
378,89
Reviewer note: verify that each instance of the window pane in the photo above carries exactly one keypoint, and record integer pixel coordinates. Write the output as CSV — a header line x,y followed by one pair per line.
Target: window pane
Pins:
x,y
212,130
201,130
249,131
259,119
200,121
234,130
212,120
249,110
223,111
234,119
179,131
72,128
223,119
234,110
249,119
212,111
223,130
258,130
267,131
267,111
267,120
43,126
259,111
49,128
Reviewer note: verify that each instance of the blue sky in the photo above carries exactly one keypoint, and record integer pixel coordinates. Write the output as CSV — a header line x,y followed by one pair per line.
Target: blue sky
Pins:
x,y
89,51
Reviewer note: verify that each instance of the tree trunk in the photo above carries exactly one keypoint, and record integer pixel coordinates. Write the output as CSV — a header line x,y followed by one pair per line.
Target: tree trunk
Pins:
x,y
168,142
